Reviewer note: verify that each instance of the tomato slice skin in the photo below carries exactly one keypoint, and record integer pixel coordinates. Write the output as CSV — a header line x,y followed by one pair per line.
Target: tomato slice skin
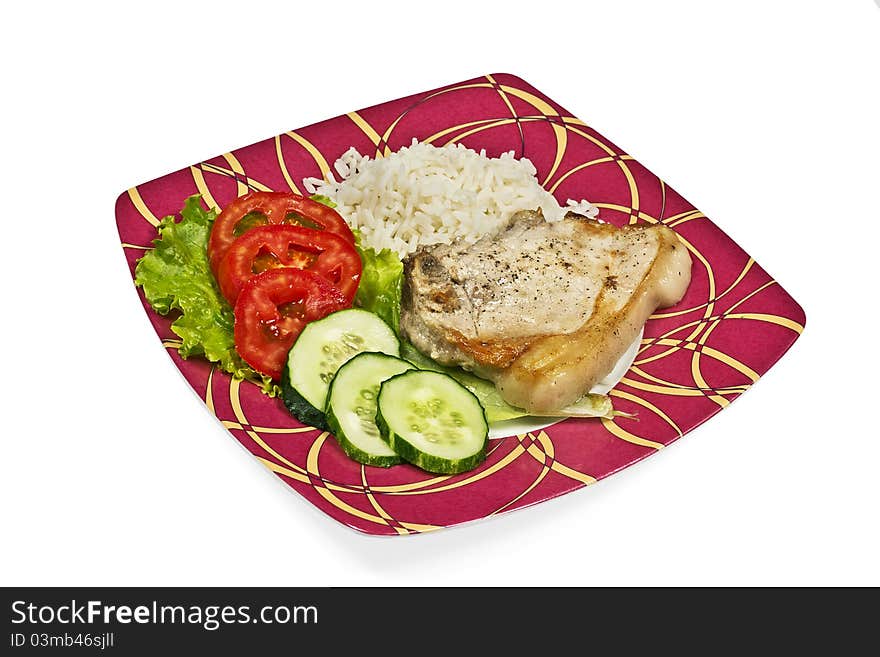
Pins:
x,y
270,208
265,328
281,245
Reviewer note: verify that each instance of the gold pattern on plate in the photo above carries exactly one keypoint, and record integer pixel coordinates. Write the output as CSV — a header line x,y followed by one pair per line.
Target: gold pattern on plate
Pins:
x,y
692,336
141,207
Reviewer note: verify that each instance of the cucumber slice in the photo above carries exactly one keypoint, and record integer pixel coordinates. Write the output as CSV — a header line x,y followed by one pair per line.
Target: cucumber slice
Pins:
x,y
351,407
320,350
432,421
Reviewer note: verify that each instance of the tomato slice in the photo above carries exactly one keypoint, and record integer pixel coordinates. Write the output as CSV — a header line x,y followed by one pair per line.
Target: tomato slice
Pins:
x,y
273,308
274,246
270,208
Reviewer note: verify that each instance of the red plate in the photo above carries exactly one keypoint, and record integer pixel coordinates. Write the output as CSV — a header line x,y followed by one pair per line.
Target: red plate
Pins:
x,y
734,323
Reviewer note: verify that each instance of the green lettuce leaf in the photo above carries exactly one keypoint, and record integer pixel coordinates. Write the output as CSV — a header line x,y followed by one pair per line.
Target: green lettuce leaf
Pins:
x,y
326,200
175,276
380,285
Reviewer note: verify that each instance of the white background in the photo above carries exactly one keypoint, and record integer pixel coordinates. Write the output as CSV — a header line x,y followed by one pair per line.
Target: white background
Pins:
x,y
763,115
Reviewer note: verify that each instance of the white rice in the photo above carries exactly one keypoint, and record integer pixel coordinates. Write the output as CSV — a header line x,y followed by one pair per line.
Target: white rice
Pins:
x,y
424,194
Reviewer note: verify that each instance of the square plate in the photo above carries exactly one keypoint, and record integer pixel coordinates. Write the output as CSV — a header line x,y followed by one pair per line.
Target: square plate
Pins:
x,y
734,323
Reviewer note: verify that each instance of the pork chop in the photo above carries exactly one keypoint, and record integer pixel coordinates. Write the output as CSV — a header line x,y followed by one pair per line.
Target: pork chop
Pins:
x,y
543,309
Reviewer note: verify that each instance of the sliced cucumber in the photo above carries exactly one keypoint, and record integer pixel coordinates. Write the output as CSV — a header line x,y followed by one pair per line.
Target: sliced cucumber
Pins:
x,y
320,350
351,407
432,421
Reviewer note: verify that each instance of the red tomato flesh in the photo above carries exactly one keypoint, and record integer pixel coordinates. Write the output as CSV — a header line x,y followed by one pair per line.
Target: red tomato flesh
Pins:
x,y
267,209
275,246
273,308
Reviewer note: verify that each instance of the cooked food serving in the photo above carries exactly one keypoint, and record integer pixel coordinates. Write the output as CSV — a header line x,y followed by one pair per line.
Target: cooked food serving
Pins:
x,y
544,309
424,194
445,293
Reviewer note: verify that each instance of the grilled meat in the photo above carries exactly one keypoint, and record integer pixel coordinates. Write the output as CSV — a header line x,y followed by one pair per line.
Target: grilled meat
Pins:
x,y
542,309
